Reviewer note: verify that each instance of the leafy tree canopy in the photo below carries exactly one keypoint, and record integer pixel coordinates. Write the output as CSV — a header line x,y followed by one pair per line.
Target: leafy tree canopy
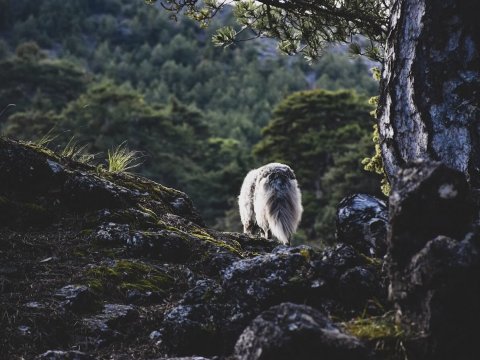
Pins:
x,y
46,83
299,25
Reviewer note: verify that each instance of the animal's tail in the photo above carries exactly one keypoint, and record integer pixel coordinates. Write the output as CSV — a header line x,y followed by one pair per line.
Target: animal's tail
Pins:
x,y
283,207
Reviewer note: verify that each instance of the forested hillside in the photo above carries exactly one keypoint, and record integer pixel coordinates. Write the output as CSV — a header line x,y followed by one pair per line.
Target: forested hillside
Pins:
x,y
104,72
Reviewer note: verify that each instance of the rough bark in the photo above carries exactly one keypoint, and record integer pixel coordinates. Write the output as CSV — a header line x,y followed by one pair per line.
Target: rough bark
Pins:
x,y
430,98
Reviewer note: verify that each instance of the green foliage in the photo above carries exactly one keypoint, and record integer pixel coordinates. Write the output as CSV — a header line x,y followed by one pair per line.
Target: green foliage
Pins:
x,y
193,109
44,84
139,45
374,327
30,125
377,75
179,148
336,72
29,51
4,19
4,50
383,332
346,176
322,135
375,163
224,36
300,26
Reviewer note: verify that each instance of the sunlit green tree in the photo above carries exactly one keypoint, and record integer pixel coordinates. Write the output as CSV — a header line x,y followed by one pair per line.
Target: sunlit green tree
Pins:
x,y
323,136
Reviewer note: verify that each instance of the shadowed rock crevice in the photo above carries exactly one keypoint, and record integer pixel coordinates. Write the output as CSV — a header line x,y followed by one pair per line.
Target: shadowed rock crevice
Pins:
x,y
434,260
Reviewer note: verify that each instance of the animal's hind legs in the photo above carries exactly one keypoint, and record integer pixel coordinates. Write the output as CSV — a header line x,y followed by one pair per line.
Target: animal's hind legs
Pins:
x,y
267,234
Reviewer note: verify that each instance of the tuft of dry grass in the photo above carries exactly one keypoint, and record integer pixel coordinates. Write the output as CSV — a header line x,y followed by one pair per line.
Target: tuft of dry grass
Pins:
x,y
76,152
374,327
121,159
45,139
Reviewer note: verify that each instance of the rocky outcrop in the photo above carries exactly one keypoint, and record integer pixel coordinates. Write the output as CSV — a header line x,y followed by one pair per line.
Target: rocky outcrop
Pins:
x,y
77,298
114,266
362,223
290,331
434,261
213,313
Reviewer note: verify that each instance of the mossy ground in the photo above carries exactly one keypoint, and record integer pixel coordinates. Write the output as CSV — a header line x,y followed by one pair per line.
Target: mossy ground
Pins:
x,y
232,246
39,148
35,263
124,275
161,195
383,333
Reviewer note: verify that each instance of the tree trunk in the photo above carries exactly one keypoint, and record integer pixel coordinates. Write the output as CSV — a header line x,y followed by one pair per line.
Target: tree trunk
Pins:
x,y
430,90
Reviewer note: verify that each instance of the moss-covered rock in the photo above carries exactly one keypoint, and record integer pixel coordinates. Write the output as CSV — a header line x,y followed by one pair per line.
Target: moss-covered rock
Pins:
x,y
121,276
112,258
383,333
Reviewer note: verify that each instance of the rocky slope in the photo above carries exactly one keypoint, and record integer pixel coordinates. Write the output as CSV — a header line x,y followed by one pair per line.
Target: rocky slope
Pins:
x,y
114,266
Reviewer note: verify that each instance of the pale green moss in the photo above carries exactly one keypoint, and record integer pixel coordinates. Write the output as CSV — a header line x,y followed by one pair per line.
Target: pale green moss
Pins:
x,y
305,253
86,232
375,163
382,332
234,247
41,149
373,328
149,212
371,260
128,275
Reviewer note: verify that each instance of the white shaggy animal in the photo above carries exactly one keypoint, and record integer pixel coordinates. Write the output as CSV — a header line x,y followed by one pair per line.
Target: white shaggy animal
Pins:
x,y
271,200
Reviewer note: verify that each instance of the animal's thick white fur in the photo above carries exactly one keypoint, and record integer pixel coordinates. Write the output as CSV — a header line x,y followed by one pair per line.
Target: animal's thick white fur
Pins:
x,y
245,202
271,199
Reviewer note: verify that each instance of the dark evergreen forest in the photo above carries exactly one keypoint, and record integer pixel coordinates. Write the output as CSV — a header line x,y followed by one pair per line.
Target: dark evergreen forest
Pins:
x,y
89,76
